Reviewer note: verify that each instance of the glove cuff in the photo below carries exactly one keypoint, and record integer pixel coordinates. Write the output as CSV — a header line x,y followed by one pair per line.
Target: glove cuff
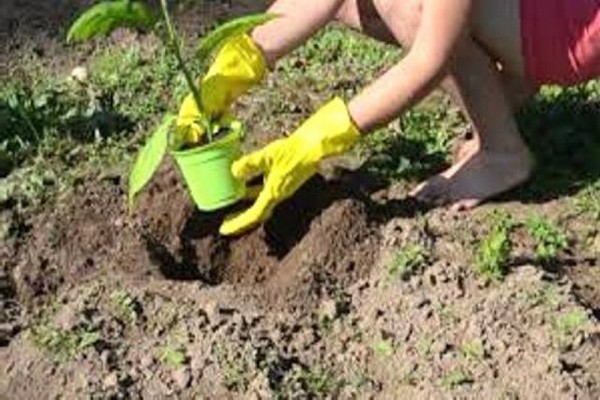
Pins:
x,y
250,56
239,65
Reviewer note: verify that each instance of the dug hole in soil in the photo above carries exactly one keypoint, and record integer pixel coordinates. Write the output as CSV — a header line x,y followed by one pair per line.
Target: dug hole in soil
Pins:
x,y
323,230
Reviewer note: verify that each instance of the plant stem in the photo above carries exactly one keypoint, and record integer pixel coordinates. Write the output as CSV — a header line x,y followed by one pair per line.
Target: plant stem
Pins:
x,y
174,43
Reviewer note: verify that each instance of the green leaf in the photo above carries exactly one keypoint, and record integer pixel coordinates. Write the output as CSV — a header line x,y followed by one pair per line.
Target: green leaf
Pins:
x,y
215,39
105,17
174,357
149,158
88,339
384,348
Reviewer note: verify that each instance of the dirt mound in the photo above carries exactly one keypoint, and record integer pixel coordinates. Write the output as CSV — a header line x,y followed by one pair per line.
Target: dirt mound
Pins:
x,y
319,239
320,236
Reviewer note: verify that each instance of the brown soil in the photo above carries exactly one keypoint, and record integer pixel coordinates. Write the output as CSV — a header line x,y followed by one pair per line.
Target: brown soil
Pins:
x,y
321,237
302,307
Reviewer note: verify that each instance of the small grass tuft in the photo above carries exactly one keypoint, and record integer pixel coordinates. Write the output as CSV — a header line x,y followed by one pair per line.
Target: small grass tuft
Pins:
x,y
424,346
173,356
569,323
550,240
64,344
494,250
383,348
456,378
125,306
408,261
473,351
588,201
318,382
566,326
234,368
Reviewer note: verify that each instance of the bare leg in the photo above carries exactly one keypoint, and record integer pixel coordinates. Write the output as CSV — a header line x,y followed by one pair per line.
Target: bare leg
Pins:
x,y
497,159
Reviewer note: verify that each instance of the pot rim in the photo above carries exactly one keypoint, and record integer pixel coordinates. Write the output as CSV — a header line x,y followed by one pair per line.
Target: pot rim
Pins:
x,y
222,142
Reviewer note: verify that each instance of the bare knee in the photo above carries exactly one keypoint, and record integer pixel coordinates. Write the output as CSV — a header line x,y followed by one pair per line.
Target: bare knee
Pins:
x,y
401,17
389,21
348,14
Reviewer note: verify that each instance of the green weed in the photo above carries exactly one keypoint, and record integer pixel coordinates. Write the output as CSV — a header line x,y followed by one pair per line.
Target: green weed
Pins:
x,y
62,343
548,294
125,306
494,250
566,326
473,351
336,49
383,348
317,382
414,147
569,323
456,378
173,356
550,240
500,220
234,368
588,201
407,261
492,256
424,346
448,314
308,382
557,125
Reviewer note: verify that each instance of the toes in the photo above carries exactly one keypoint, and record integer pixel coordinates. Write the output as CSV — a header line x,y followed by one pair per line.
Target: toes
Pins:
x,y
434,191
465,205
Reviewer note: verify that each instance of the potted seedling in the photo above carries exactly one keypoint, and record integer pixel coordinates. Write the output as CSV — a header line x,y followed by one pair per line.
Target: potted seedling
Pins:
x,y
204,162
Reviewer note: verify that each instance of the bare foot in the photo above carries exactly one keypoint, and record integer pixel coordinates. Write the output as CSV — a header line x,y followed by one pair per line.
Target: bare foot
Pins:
x,y
464,148
477,176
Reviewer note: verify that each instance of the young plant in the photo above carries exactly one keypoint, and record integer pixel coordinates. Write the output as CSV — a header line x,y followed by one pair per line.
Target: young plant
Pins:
x,y
567,325
456,378
383,348
407,261
125,306
64,344
103,18
494,250
550,240
473,351
173,356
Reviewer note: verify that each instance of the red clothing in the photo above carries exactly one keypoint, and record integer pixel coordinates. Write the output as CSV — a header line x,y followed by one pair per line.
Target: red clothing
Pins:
x,y
561,40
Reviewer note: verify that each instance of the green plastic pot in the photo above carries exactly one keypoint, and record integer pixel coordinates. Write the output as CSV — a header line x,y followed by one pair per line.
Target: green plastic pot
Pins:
x,y
207,172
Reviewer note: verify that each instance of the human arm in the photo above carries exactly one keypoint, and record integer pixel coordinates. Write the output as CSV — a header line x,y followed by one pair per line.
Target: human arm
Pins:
x,y
443,24
289,162
243,61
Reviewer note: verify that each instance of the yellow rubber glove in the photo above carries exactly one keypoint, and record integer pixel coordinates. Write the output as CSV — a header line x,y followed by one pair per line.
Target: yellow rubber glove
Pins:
x,y
238,66
288,163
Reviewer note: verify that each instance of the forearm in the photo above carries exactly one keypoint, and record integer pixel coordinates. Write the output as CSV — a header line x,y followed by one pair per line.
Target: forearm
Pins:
x,y
298,21
398,89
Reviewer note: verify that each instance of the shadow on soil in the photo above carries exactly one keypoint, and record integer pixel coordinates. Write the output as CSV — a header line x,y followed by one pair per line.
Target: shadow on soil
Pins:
x,y
563,132
290,224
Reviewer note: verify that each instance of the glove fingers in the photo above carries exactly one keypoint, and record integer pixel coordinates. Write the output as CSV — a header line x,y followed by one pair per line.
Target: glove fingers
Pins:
x,y
252,217
251,165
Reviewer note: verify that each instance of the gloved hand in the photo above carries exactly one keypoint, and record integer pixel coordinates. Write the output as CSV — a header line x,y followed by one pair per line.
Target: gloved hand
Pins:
x,y
289,162
238,66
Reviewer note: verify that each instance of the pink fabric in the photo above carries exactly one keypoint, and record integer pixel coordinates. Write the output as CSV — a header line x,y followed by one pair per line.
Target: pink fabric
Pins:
x,y
561,40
